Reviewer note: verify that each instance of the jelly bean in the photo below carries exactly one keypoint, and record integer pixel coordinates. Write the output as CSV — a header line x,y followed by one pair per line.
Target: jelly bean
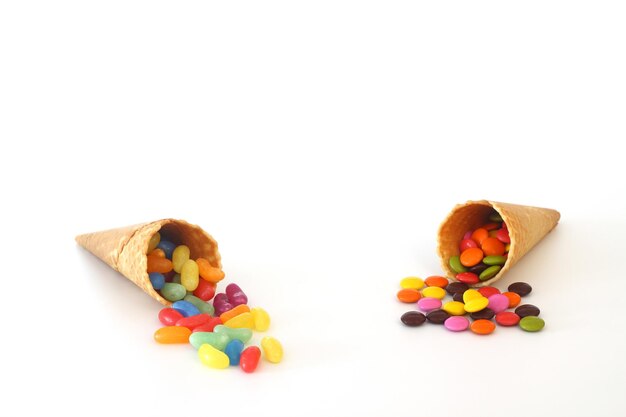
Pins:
x,y
154,241
217,340
192,322
179,257
169,316
471,256
478,269
412,282
209,326
208,272
249,359
507,318
221,304
413,318
167,247
176,279
157,280
486,314
456,323
161,265
408,295
527,310
227,315
173,292
261,319
437,316
235,295
456,266
489,273
455,287
212,357
467,244
205,290
476,304
204,307
454,308
495,217
437,281
157,252
520,288
172,334
494,260
471,294
233,351
467,278
503,236
488,291
427,304
482,327
532,323
244,320
498,302
491,226
514,298
434,292
492,247
189,276
185,308
272,349
240,334
479,235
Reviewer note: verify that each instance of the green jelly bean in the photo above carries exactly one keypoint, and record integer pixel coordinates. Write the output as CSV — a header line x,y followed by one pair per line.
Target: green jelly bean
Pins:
x,y
176,279
240,334
532,323
490,272
456,265
202,306
173,292
217,340
494,260
495,217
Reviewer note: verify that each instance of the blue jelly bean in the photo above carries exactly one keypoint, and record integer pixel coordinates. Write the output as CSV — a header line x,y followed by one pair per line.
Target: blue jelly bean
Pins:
x,y
168,247
186,308
157,280
233,351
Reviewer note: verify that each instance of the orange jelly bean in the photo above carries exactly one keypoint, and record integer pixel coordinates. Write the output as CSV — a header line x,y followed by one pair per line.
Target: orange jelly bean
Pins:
x,y
514,298
158,252
436,281
233,312
208,271
409,295
483,326
172,334
479,235
471,256
492,246
161,265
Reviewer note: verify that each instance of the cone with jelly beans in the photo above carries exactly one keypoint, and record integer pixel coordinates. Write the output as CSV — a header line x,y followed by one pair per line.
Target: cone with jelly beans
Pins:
x,y
479,229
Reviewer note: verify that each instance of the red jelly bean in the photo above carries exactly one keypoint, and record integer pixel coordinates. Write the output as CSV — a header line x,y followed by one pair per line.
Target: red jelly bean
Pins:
x,y
467,277
169,316
250,359
488,291
507,318
466,244
503,235
194,321
205,290
209,326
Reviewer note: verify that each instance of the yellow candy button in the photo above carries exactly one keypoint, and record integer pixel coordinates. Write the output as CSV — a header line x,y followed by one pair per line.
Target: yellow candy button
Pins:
x,y
412,282
434,292
454,308
469,295
476,304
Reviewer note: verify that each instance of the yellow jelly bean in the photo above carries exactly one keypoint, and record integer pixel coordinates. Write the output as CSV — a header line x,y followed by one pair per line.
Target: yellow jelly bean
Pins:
x,y
454,308
261,319
476,304
212,357
179,257
189,275
470,294
242,321
154,241
434,292
272,349
172,334
412,282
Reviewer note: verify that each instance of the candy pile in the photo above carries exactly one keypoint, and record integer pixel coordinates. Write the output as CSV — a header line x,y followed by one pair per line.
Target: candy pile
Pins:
x,y
482,305
218,330
483,251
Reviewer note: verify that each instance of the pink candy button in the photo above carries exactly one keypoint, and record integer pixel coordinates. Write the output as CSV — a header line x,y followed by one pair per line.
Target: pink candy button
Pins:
x,y
456,323
498,302
427,304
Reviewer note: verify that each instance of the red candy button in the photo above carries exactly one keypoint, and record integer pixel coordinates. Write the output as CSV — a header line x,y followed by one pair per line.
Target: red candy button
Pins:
x,y
488,291
467,277
507,318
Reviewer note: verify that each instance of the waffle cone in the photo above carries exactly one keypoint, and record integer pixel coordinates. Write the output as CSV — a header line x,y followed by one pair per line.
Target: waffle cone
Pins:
x,y
124,249
527,226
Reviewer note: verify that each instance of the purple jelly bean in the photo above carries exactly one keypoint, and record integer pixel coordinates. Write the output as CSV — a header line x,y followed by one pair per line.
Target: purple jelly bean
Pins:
x,y
235,295
221,303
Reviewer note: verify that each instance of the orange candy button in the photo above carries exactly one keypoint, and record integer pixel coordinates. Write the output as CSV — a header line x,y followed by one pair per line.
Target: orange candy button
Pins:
x,y
492,246
483,326
436,281
409,295
471,256
479,235
514,298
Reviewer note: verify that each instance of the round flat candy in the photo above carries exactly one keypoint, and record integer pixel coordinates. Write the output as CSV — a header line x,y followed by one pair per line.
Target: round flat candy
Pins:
x,y
427,304
498,302
532,323
413,318
527,310
456,323
521,288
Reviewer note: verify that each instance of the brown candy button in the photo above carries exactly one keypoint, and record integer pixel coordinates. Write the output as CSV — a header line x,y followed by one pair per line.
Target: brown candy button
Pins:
x,y
527,310
413,318
520,288
455,287
484,314
437,316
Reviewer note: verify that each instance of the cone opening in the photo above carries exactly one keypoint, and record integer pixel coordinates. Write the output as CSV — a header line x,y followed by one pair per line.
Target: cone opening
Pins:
x,y
200,244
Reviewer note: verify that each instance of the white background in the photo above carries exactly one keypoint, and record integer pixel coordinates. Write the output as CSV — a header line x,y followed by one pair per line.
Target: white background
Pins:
x,y
321,143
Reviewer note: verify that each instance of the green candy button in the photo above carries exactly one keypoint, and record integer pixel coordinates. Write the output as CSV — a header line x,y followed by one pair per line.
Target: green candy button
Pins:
x,y
532,323
489,272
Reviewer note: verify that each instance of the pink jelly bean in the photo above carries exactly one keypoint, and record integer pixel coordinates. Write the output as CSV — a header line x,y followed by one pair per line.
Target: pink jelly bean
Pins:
x,y
503,236
466,244
427,304
235,295
498,302
456,323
